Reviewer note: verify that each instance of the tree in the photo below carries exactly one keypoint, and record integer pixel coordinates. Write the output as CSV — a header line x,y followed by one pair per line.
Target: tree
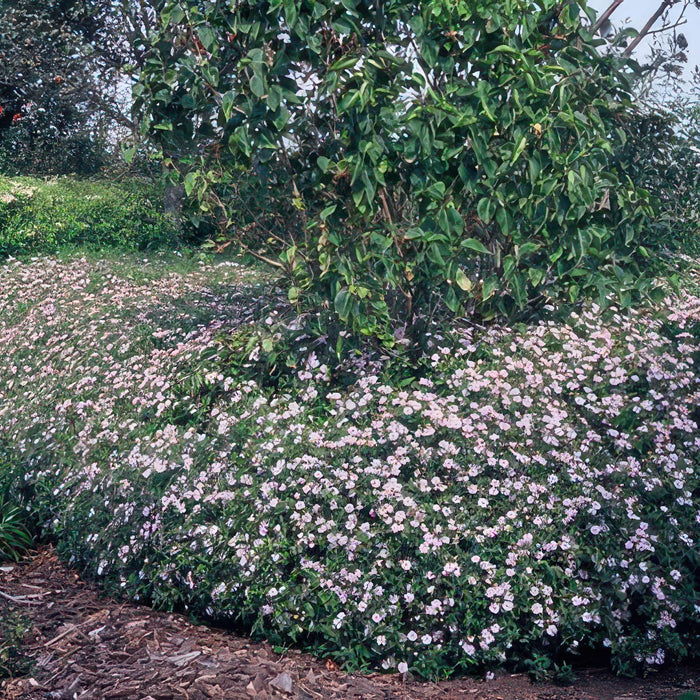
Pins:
x,y
64,79
662,152
442,155
602,23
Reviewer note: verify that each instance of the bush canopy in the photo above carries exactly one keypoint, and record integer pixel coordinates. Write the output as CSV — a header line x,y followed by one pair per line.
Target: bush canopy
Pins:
x,y
436,155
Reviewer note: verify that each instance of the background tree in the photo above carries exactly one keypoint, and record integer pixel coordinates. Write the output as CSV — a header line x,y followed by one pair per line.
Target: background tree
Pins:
x,y
662,151
65,86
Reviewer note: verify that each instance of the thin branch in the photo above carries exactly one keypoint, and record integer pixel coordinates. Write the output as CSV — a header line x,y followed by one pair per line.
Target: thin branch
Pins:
x,y
109,109
606,15
261,257
668,27
20,600
647,27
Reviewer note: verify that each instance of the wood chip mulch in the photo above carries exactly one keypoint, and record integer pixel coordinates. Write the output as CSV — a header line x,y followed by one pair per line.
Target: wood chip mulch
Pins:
x,y
83,646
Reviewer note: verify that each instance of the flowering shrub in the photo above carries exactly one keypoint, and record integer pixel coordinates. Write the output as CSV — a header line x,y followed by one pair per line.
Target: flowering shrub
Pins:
x,y
534,493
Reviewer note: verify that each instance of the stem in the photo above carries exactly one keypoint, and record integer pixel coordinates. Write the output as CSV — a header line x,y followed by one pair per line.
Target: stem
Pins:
x,y
263,258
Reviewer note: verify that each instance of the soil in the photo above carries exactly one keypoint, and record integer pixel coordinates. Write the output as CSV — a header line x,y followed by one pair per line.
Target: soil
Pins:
x,y
79,644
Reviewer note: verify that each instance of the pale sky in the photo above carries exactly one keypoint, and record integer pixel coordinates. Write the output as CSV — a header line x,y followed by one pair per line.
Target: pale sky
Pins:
x,y
635,13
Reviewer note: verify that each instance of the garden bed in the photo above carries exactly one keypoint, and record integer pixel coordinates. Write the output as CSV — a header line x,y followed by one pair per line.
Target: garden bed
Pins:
x,y
528,502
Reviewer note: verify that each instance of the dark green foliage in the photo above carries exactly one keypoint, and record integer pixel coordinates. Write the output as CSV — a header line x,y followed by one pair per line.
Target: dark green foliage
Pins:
x,y
13,629
48,122
65,68
15,538
38,216
33,145
437,156
663,155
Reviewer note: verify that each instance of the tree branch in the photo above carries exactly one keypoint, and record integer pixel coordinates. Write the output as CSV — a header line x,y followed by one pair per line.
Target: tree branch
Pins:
x,y
668,27
111,112
606,15
647,27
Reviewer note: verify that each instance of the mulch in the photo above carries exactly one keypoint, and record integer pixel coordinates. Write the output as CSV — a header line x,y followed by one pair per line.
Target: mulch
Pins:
x,y
81,645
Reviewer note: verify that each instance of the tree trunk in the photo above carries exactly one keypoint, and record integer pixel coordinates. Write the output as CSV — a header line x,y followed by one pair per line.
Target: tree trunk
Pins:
x,y
174,200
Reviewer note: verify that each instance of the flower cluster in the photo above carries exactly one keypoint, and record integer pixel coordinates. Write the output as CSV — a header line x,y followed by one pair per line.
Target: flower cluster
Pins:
x,y
536,491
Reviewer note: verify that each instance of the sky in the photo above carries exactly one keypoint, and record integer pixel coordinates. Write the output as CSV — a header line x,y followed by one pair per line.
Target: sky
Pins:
x,y
637,12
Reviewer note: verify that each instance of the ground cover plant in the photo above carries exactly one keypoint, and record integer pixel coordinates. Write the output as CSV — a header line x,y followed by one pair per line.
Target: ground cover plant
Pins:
x,y
530,498
354,464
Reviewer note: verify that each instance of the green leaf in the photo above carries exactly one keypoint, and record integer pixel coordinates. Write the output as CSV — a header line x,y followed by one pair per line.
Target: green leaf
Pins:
x,y
227,102
257,84
462,281
274,97
207,37
452,301
128,153
518,149
556,254
504,220
345,62
344,303
435,255
536,276
508,267
486,208
328,211
534,168
281,120
491,284
482,92
526,248
504,48
190,182
474,244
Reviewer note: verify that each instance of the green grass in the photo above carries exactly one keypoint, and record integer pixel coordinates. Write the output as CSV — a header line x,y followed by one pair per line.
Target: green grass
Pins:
x,y
40,216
